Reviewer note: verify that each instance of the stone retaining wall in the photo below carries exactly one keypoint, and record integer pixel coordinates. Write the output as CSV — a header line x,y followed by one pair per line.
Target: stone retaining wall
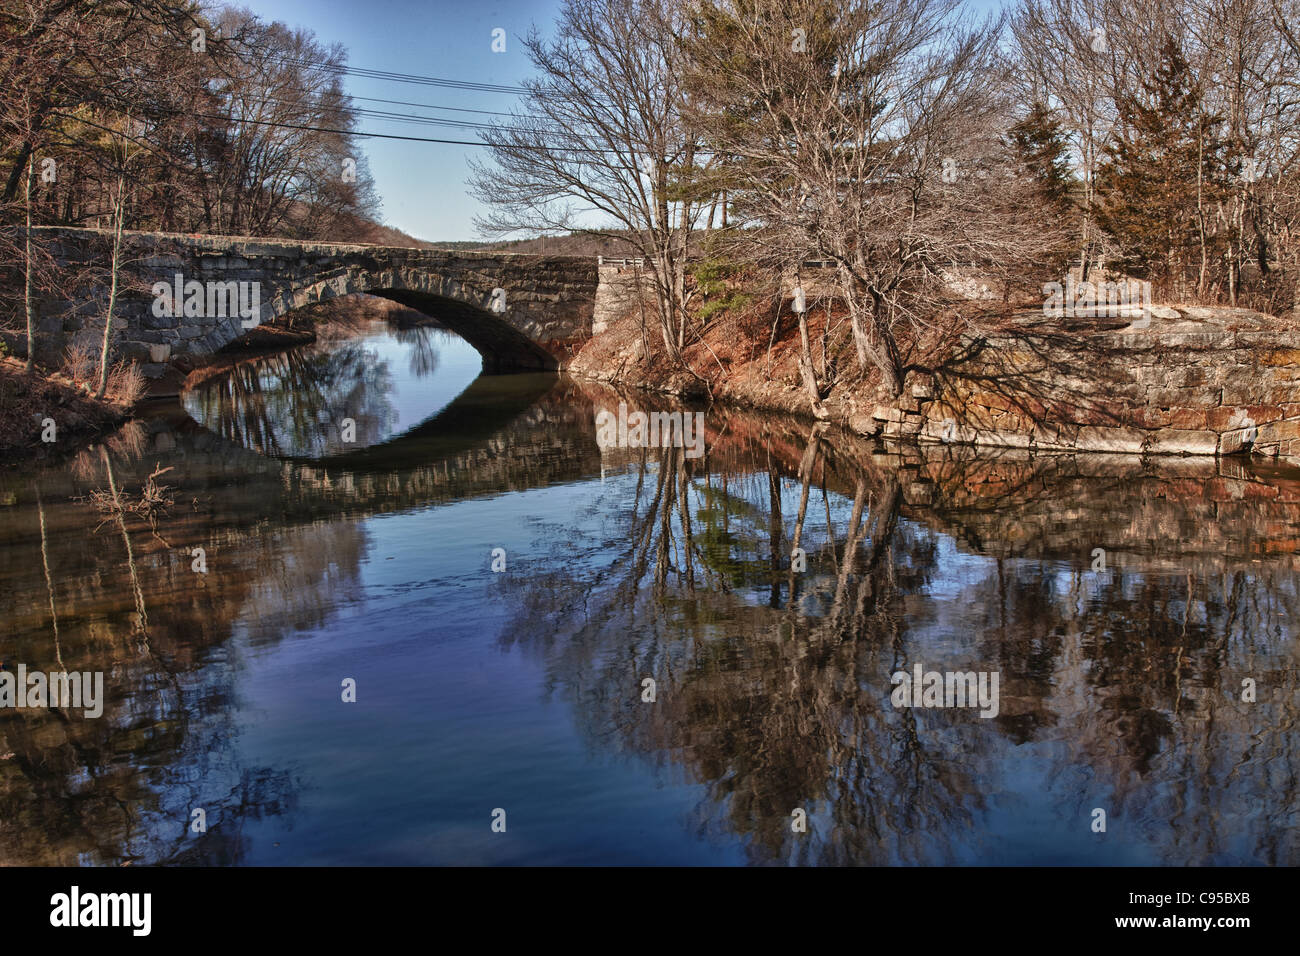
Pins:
x,y
1192,382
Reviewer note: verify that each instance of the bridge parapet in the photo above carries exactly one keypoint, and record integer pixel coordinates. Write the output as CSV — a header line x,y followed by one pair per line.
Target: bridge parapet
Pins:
x,y
522,312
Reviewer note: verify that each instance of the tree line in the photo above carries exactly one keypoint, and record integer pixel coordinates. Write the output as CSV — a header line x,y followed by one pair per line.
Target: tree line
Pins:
x,y
915,144
177,117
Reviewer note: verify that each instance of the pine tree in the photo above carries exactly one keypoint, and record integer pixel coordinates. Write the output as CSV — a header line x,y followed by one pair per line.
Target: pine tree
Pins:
x,y
1161,173
1040,145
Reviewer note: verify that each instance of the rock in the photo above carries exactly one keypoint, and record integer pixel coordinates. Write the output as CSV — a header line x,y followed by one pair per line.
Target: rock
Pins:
x,y
863,424
1182,441
1119,439
1237,440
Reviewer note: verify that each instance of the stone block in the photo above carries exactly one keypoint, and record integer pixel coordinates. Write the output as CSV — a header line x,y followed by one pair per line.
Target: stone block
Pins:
x,y
1237,440
1117,439
1180,441
1226,417
1277,431
864,424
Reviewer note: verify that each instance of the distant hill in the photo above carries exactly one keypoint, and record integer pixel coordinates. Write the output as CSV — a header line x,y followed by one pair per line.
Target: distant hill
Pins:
x,y
574,244
388,236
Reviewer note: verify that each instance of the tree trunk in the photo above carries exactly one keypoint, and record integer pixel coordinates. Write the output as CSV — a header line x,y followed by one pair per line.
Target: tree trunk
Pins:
x,y
27,280
806,370
119,214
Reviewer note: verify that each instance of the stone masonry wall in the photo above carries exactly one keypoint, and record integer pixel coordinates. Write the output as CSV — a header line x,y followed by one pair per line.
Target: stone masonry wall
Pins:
x,y
616,294
1193,382
548,301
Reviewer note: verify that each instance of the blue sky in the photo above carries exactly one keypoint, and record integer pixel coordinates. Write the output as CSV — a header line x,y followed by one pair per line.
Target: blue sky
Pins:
x,y
423,184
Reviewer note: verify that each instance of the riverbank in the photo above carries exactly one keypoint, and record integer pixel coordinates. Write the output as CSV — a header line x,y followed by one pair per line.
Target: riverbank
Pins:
x,y
1181,380
44,416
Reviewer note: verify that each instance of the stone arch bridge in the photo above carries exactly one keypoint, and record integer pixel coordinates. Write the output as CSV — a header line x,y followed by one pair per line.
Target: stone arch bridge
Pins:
x,y
521,312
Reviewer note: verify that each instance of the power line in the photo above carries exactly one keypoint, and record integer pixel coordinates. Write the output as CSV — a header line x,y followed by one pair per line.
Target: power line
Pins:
x,y
341,132
386,115
413,139
413,78
393,116
223,119
428,106
417,79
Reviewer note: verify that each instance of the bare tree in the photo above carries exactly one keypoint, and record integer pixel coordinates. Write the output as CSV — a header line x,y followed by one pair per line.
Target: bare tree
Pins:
x,y
601,145
867,134
124,152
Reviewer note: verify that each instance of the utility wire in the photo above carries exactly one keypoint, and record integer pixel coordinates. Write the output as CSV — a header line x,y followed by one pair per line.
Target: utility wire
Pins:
x,y
413,139
404,77
429,106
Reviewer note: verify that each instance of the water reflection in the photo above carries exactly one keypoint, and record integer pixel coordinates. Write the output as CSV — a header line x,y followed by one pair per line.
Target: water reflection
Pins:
x,y
335,397
1121,688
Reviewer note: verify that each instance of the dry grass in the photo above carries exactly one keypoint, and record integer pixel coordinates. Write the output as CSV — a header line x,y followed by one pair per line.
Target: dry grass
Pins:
x,y
80,361
128,442
126,382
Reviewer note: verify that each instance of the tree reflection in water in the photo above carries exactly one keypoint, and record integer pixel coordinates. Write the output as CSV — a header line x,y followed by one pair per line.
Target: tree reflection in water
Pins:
x,y
1120,689
419,339
293,404
120,789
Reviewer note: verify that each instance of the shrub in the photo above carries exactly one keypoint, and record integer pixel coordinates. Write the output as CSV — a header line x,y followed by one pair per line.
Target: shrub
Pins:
x,y
80,361
738,302
711,276
126,384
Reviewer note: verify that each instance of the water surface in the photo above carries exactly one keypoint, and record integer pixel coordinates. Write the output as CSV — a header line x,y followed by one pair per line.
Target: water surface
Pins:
x,y
522,689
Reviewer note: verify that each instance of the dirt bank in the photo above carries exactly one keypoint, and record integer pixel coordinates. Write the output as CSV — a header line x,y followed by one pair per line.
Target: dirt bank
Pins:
x,y
747,357
39,406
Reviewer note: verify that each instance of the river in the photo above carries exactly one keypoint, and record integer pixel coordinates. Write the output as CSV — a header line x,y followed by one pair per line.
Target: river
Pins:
x,y
568,654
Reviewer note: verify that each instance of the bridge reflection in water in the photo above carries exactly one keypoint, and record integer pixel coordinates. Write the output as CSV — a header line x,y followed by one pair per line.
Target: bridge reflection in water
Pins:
x,y
1120,689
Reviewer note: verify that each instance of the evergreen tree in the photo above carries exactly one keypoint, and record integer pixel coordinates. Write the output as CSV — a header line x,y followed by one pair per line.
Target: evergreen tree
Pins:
x,y
1162,172
1040,145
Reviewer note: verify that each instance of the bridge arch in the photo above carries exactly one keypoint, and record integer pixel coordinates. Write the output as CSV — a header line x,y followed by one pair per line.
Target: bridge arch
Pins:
x,y
548,300
463,310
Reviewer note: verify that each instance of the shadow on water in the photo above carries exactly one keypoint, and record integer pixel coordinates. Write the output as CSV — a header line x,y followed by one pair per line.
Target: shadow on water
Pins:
x,y
1123,681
